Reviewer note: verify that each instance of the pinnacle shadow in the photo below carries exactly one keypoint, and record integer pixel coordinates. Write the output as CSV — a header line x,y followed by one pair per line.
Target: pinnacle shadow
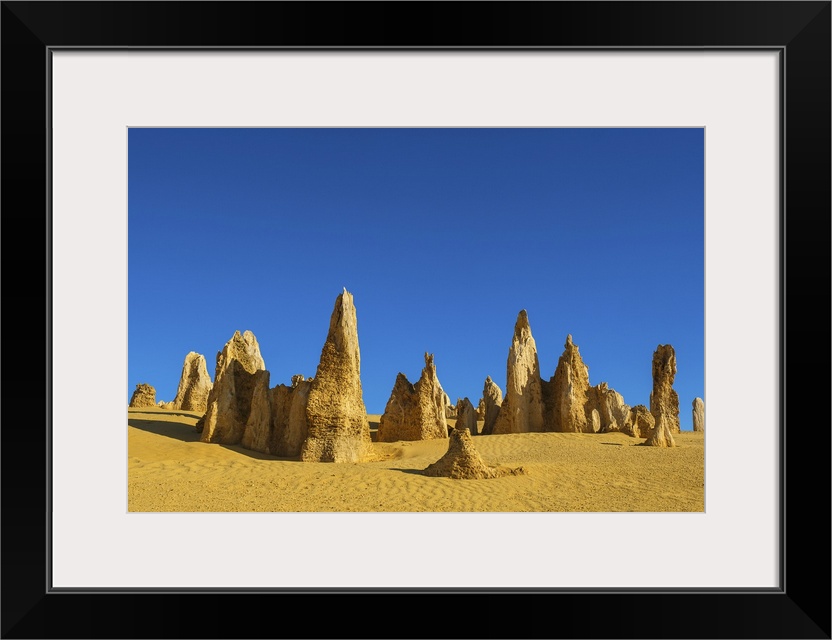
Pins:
x,y
176,430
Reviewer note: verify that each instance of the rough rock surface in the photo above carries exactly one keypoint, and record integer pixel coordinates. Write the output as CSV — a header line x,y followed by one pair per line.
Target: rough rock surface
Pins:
x,y
698,414
481,409
522,407
664,401
463,462
568,391
143,396
493,397
291,438
194,385
338,429
450,410
595,421
662,434
466,416
415,411
613,411
168,406
229,402
641,421
257,435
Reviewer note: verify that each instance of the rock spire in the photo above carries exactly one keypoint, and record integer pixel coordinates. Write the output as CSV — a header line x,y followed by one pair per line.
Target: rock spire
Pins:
x,y
522,407
338,430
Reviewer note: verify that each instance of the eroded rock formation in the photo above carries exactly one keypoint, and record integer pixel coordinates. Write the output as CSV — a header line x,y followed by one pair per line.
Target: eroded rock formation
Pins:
x,y
466,416
522,407
481,409
229,402
493,397
641,421
415,411
568,393
144,395
337,425
664,401
290,427
463,462
257,435
613,411
662,434
194,385
594,421
698,414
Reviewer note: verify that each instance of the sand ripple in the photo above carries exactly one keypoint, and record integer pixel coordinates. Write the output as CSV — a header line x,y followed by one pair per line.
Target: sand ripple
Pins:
x,y
169,469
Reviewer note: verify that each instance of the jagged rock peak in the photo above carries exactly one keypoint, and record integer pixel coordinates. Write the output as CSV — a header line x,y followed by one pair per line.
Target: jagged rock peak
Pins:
x,y
463,462
664,401
568,393
143,396
338,430
229,402
466,416
297,379
493,398
416,411
194,384
522,407
522,328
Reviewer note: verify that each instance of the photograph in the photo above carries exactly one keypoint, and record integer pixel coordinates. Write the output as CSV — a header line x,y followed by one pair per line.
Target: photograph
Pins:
x,y
415,300
416,319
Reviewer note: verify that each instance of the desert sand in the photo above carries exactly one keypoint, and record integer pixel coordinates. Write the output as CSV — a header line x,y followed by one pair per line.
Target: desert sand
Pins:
x,y
170,470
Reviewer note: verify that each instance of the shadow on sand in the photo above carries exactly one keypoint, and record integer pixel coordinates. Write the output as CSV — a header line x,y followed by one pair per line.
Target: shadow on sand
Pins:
x,y
177,430
186,433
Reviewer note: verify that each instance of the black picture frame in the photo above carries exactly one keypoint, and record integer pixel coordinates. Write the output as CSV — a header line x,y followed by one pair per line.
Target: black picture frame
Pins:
x,y
800,31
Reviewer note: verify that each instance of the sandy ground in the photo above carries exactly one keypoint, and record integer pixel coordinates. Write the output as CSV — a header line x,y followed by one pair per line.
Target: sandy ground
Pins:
x,y
170,470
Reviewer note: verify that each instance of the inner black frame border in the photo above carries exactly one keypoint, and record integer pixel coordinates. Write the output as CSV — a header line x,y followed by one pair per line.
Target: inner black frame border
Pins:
x,y
799,31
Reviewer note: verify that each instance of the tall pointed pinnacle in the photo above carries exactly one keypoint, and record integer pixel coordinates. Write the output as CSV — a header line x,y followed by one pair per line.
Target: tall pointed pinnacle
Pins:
x,y
522,328
522,407
229,401
338,430
415,411
664,401
568,391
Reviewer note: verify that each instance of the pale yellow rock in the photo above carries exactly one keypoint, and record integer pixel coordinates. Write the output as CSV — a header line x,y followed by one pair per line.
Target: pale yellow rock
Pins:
x,y
493,397
481,409
229,403
143,396
258,431
462,462
568,390
698,414
661,435
641,421
595,421
415,411
297,428
664,401
194,385
466,416
338,429
522,407
613,411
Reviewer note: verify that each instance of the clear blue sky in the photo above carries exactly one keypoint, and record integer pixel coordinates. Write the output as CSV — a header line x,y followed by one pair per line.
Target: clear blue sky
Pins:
x,y
442,236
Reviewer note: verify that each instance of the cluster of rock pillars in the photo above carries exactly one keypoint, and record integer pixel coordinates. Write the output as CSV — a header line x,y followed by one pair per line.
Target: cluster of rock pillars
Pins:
x,y
323,419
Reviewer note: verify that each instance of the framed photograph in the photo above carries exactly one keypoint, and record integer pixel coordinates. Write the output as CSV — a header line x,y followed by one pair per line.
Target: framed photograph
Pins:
x,y
99,95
